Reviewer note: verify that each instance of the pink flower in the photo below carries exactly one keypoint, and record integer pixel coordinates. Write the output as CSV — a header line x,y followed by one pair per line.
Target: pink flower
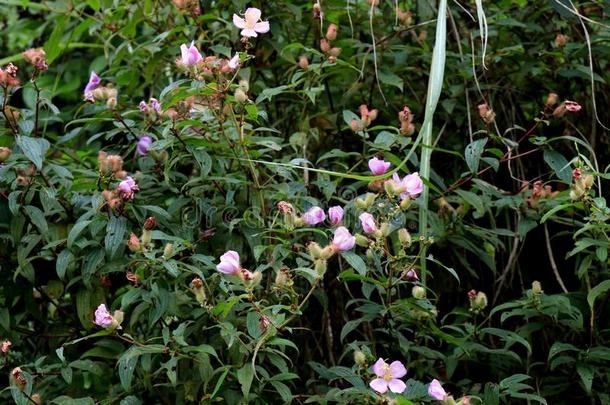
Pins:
x,y
378,166
436,391
190,55
143,106
335,215
94,82
314,216
229,263
410,186
388,376
368,222
250,25
234,62
103,317
154,103
412,275
127,188
343,240
6,345
143,145
572,106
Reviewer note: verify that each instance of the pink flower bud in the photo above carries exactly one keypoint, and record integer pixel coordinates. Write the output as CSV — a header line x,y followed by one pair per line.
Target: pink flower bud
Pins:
x,y
6,345
335,215
94,82
314,216
143,107
143,145
154,103
103,317
127,188
368,223
229,263
436,391
343,240
331,32
324,45
190,55
378,166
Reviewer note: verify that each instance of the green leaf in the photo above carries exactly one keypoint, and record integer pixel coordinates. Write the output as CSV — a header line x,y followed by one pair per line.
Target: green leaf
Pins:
x,y
245,376
76,230
38,219
115,230
597,291
585,372
34,149
53,46
283,390
95,4
355,261
64,258
127,365
559,164
473,153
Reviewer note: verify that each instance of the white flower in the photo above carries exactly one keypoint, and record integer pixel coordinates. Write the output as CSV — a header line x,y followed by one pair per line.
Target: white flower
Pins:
x,y
250,25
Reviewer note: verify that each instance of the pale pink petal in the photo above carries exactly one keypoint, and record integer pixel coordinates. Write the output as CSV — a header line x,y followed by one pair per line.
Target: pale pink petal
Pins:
x,y
378,367
397,369
380,385
230,254
248,32
184,50
238,21
225,267
252,15
397,386
262,27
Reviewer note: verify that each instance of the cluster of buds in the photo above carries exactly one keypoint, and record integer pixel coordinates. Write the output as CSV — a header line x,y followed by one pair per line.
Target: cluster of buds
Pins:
x,y
581,184
107,94
366,118
325,44
478,301
191,6
24,176
539,191
200,67
230,265
111,165
342,242
124,191
37,58
152,108
8,76
486,113
406,122
560,110
198,290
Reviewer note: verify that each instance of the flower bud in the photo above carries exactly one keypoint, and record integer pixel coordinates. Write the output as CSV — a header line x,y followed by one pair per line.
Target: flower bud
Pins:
x,y
536,288
328,252
418,292
111,103
197,284
405,203
146,236
359,358
168,250
587,181
331,32
150,223
5,153
18,379
36,399
384,229
404,237
320,265
315,251
118,317
551,99
282,278
5,346
335,51
561,40
240,96
244,85
362,240
480,301
354,125
134,243
303,62
324,45
264,323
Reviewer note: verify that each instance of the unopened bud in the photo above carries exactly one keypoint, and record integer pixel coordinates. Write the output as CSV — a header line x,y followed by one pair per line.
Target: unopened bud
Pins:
x,y
5,153
359,358
244,85
587,181
480,300
36,399
405,203
331,32
404,237
146,236
282,277
240,96
324,45
362,240
303,62
418,292
536,288
134,243
150,223
335,51
264,323
561,40
111,103
320,266
18,378
551,99
315,251
168,250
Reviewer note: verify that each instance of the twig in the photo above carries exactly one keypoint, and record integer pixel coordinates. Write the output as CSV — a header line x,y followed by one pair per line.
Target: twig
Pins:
x,y
549,249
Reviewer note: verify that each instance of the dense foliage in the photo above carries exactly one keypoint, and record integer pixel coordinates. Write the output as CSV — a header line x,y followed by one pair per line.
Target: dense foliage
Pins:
x,y
355,202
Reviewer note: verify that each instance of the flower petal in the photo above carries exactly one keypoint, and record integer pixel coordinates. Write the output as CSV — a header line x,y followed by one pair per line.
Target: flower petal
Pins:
x,y
380,385
248,32
378,366
252,15
262,27
397,369
238,21
397,386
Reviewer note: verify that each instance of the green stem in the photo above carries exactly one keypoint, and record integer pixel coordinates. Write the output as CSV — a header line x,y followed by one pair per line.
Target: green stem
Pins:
x,y
435,85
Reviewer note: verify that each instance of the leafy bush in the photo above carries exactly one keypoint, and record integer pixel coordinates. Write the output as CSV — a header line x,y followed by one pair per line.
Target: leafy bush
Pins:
x,y
336,202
